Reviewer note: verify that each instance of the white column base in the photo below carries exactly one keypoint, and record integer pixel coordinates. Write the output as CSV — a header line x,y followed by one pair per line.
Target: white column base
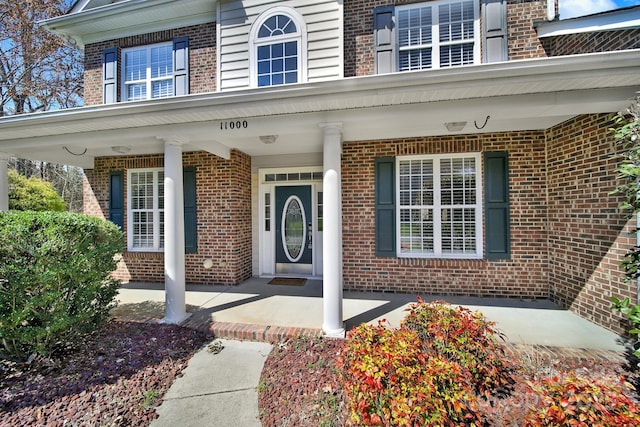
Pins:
x,y
175,319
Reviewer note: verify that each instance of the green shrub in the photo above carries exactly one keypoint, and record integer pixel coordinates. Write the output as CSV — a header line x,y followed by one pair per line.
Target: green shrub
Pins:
x,y
55,282
575,401
33,194
459,335
390,381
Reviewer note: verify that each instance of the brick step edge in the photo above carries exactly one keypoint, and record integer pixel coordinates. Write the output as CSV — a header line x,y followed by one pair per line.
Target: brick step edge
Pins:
x,y
252,332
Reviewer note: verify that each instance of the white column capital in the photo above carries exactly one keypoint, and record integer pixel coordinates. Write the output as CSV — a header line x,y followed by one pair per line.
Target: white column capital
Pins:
x,y
177,140
331,127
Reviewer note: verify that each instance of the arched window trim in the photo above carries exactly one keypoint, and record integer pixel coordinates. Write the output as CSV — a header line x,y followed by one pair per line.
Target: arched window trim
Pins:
x,y
300,35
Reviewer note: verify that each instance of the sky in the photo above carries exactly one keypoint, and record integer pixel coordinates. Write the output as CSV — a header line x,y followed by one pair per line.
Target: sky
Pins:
x,y
573,8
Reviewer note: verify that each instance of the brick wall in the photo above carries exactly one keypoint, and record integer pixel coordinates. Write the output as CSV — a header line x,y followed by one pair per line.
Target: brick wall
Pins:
x,y
523,276
358,31
224,217
588,234
202,58
604,41
522,39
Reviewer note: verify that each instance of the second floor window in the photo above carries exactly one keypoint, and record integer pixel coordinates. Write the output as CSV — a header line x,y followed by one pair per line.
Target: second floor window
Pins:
x,y
427,35
148,72
277,45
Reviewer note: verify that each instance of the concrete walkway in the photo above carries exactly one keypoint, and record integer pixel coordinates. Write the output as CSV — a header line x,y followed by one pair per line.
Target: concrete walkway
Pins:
x,y
221,389
216,389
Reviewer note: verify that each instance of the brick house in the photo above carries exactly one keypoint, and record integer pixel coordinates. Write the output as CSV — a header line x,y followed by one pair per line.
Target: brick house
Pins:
x,y
454,147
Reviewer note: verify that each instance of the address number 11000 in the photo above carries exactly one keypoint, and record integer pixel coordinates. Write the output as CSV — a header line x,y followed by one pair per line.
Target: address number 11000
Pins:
x,y
234,124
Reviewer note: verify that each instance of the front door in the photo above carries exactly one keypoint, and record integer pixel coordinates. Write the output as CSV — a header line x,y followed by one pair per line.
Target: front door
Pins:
x,y
294,230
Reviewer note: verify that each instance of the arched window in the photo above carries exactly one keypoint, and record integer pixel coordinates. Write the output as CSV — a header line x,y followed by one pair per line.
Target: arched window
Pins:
x,y
277,50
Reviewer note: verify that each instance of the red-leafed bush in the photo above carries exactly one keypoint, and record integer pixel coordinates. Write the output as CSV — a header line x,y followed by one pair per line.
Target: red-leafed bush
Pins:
x,y
390,380
574,401
459,335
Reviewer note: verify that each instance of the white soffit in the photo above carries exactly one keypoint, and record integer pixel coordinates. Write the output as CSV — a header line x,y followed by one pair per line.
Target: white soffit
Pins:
x,y
128,18
621,19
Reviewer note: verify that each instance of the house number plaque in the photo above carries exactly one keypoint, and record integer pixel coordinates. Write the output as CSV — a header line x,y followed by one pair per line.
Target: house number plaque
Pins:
x,y
234,124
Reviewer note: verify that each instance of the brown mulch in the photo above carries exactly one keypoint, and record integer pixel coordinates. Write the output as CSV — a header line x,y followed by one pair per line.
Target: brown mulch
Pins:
x,y
117,377
300,385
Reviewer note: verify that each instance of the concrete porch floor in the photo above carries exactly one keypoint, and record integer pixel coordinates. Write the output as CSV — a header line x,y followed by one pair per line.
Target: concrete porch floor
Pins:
x,y
257,310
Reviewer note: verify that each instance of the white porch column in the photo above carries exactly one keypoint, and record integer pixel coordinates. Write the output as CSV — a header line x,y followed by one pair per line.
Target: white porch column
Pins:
x,y
174,270
4,182
333,323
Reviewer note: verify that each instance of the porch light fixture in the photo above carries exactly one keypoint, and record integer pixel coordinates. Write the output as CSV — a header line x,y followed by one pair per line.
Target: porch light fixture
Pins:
x,y
268,139
455,126
121,149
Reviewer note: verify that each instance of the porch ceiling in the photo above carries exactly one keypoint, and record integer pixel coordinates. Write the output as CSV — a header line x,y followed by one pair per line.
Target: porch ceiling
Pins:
x,y
516,95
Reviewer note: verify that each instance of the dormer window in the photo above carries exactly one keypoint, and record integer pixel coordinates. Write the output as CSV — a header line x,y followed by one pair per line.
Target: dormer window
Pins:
x,y
277,48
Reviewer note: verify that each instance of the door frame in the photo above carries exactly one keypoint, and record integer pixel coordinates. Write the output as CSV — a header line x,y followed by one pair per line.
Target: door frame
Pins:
x,y
268,180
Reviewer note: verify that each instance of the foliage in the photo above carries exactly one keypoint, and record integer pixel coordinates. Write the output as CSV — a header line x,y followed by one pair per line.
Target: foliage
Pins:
x,y
389,380
67,180
628,132
38,70
575,401
55,282
33,194
459,335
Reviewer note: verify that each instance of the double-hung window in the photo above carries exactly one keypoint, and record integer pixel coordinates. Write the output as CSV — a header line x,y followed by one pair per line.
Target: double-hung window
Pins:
x,y
148,72
427,35
439,210
146,210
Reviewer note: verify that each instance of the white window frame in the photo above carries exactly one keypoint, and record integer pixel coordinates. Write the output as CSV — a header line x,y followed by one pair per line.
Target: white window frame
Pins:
x,y
148,80
435,36
300,36
157,244
437,207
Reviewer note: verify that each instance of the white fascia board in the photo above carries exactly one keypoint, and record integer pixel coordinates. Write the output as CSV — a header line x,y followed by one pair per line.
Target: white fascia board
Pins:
x,y
123,18
326,94
608,21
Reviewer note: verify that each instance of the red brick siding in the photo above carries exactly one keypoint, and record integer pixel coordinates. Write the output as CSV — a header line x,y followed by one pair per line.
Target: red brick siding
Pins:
x,y
605,41
588,234
202,58
224,217
358,32
522,39
523,276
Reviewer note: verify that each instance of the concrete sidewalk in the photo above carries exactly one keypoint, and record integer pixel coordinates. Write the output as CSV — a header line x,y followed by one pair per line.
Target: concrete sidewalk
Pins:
x,y
216,389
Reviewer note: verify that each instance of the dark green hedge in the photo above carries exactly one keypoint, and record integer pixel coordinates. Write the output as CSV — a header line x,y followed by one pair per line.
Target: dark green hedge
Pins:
x,y
55,279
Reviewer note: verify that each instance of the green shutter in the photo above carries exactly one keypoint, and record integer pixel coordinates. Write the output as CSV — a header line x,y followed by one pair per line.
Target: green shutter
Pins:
x,y
385,206
181,66
494,30
116,198
384,39
190,213
110,75
496,205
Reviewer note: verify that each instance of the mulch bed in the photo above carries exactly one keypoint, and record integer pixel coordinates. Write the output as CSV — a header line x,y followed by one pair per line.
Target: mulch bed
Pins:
x,y
117,377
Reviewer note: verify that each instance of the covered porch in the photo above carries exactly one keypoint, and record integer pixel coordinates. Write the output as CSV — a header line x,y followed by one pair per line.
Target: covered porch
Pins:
x,y
258,311
316,119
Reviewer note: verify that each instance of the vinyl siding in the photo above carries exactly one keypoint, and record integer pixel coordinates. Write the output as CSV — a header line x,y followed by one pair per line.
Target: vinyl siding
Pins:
x,y
324,25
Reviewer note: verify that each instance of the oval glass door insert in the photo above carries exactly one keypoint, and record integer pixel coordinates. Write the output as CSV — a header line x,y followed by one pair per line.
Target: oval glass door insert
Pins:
x,y
293,230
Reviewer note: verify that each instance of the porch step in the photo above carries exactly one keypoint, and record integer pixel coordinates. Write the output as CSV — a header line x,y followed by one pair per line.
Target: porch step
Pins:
x,y
251,332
